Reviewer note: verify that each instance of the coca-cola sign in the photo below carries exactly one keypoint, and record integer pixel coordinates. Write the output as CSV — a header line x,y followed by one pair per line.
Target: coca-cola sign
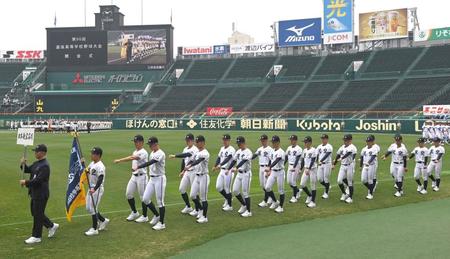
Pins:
x,y
219,111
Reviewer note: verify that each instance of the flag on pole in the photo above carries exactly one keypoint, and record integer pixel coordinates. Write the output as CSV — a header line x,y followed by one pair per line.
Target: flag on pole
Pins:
x,y
171,16
54,20
75,195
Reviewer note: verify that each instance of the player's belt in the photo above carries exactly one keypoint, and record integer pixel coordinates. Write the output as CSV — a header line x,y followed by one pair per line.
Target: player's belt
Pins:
x,y
276,170
398,163
223,168
155,175
346,164
292,164
139,174
242,172
419,162
201,174
263,165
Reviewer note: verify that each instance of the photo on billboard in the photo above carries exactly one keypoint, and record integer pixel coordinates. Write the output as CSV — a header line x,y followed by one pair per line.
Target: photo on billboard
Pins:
x,y
382,25
146,47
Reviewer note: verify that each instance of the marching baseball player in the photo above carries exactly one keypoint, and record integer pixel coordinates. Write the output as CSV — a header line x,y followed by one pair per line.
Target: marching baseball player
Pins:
x,y
223,183
275,173
293,154
309,158
346,155
263,153
96,175
421,154
436,153
138,179
187,176
368,165
241,186
201,181
398,163
324,157
156,186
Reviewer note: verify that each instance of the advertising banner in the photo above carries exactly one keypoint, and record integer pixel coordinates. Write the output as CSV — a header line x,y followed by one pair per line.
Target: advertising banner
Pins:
x,y
433,34
383,25
219,111
432,110
252,48
338,21
22,54
221,49
301,32
205,50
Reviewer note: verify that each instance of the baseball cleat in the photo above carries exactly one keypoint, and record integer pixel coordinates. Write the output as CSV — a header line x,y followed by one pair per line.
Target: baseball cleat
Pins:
x,y
433,184
32,240
202,220
141,219
269,201
369,196
435,189
423,191
299,194
375,187
419,188
398,194
273,206
200,214
242,209
227,208
311,205
349,200
193,213
91,232
263,204
225,204
308,199
159,226
293,200
343,197
279,209
154,220
395,186
325,196
246,214
52,230
102,225
347,190
186,210
133,216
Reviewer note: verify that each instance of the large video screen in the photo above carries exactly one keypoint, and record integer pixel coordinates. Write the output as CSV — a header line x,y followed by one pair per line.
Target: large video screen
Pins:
x,y
146,47
86,48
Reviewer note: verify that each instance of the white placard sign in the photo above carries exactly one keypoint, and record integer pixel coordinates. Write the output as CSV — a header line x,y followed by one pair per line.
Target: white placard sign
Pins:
x,y
25,136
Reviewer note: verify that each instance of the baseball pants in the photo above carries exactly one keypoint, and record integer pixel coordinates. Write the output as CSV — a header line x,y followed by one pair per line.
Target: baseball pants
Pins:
x,y
155,187
278,177
397,171
224,181
420,171
436,167
292,175
242,182
94,199
200,187
323,173
137,183
311,176
346,172
262,177
187,181
367,174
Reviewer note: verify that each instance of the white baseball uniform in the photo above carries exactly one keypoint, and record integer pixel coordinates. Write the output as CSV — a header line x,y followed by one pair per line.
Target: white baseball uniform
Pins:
x,y
201,180
263,154
243,177
95,170
139,178
324,157
369,156
435,164
397,164
157,183
420,153
310,173
277,172
347,169
188,176
225,178
293,158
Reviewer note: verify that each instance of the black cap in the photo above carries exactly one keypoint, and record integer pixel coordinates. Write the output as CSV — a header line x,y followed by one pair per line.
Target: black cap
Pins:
x,y
240,140
398,137
370,138
420,140
293,137
263,137
436,139
97,151
200,138
40,148
189,136
138,138
226,137
324,136
307,139
152,140
348,137
275,139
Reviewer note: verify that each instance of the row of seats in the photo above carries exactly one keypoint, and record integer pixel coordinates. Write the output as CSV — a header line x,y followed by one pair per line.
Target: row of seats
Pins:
x,y
395,60
314,96
209,69
436,57
9,71
276,97
183,98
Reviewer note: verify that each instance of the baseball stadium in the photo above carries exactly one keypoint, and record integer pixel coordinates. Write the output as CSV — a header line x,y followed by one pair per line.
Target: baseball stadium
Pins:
x,y
329,141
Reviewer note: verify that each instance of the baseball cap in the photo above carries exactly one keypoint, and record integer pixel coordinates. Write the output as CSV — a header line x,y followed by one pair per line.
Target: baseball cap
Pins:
x,y
152,140
436,139
398,137
370,138
275,139
97,151
40,148
348,137
138,138
293,137
189,136
226,137
200,138
263,137
240,140
421,140
307,139
324,136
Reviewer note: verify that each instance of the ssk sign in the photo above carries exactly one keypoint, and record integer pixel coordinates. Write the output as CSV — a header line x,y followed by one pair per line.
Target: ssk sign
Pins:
x,y
22,54
302,32
219,111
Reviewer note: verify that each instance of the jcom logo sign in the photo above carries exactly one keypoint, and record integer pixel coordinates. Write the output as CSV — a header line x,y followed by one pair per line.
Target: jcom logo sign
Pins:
x,y
302,32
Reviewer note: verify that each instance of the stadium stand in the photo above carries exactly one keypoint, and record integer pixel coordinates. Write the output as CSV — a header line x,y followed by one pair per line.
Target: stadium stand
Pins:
x,y
251,68
183,98
393,60
314,96
442,99
338,63
298,66
435,58
208,69
276,97
9,71
360,94
236,96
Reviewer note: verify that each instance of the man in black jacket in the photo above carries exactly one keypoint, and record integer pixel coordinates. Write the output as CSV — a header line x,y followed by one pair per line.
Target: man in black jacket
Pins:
x,y
39,192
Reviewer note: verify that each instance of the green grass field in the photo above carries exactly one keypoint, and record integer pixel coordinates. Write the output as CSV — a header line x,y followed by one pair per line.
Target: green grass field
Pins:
x,y
124,239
